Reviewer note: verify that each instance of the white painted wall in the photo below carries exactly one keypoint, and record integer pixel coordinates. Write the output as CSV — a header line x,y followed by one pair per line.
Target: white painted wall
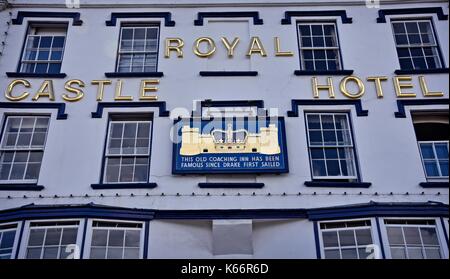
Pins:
x,y
387,148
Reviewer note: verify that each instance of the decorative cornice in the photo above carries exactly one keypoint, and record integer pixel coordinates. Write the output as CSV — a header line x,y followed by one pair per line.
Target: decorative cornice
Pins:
x,y
202,15
168,22
338,13
296,103
61,107
401,104
163,112
23,14
429,10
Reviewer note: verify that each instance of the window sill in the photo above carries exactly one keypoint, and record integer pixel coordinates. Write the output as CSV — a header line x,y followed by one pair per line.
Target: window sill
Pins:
x,y
21,187
324,73
123,186
232,185
31,75
228,73
424,71
130,75
434,184
333,184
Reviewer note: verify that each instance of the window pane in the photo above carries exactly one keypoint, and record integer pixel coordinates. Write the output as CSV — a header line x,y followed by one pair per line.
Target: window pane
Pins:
x,y
429,236
69,236
7,239
395,235
115,253
398,253
349,253
36,237
34,253
314,122
319,168
32,171
433,253
131,253
140,174
98,253
415,253
332,254
441,150
99,237
364,237
412,235
431,168
347,238
427,150
132,238
116,238
330,239
53,236
50,253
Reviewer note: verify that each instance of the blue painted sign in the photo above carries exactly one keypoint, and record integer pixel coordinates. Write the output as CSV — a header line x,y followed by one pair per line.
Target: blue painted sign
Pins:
x,y
230,145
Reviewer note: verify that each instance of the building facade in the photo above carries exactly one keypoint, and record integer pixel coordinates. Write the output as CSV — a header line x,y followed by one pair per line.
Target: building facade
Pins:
x,y
224,129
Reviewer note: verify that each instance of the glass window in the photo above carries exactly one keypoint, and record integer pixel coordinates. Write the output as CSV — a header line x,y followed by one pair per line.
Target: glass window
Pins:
x,y
7,238
413,239
319,47
22,148
138,49
347,240
331,146
417,47
432,134
115,240
128,152
44,49
435,158
52,240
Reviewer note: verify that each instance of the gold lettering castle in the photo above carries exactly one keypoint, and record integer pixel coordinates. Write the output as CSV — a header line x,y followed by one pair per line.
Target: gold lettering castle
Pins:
x,y
229,141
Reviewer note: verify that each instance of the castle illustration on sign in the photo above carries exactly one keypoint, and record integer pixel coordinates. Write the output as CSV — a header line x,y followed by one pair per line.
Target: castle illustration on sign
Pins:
x,y
229,141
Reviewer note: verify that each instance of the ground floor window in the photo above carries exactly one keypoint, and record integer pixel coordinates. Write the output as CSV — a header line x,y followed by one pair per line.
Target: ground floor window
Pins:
x,y
52,240
347,239
413,239
116,240
7,240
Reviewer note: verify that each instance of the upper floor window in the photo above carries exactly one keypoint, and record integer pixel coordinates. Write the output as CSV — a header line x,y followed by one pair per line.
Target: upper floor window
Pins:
x,y
432,136
52,240
417,45
112,240
22,148
7,237
138,49
127,157
319,47
331,147
413,239
347,240
44,49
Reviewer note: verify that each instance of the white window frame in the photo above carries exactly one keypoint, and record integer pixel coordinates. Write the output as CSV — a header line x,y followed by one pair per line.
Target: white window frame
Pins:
x,y
29,149
107,155
90,228
121,52
27,229
439,63
337,48
24,62
439,231
431,178
17,229
352,146
373,230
